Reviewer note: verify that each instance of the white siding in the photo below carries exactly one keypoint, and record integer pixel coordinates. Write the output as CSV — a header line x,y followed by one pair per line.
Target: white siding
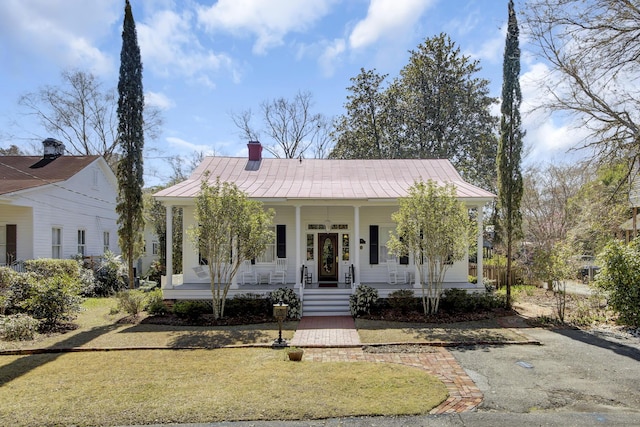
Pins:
x,y
22,217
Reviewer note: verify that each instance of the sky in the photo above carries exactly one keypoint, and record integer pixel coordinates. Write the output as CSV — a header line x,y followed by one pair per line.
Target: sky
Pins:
x,y
206,60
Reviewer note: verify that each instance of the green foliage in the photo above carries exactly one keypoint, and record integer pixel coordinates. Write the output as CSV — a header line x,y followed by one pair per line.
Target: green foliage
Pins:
x,y
434,226
131,137
131,301
156,271
403,300
248,305
18,327
230,229
461,301
620,279
154,303
110,277
287,296
364,298
191,309
53,299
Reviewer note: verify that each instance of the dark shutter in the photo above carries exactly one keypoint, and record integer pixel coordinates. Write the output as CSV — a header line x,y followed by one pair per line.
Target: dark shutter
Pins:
x,y
373,244
404,260
281,241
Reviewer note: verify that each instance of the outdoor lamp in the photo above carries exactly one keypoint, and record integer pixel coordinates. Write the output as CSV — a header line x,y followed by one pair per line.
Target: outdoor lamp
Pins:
x,y
280,313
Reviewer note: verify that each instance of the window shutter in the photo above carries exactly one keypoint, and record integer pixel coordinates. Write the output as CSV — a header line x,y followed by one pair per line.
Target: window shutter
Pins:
x,y
404,260
281,241
373,244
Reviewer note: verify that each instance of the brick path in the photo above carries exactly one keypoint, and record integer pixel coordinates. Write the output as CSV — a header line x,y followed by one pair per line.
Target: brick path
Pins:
x,y
335,339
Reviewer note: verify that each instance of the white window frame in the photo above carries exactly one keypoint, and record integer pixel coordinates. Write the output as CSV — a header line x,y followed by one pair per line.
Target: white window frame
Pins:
x,y
106,240
56,242
269,254
384,234
82,241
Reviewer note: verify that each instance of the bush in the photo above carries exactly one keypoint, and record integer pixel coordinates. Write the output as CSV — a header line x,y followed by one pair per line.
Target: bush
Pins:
x,y
460,301
620,278
131,301
248,304
155,272
18,327
53,299
363,300
71,268
154,303
287,296
403,300
110,275
191,309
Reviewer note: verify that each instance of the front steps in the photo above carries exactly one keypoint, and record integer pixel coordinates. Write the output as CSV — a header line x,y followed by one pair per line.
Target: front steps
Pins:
x,y
326,302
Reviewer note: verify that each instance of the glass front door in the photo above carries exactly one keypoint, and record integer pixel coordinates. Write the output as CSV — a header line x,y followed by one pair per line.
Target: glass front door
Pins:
x,y
328,257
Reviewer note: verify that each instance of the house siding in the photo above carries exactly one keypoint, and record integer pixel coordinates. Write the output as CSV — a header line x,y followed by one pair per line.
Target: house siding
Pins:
x,y
22,218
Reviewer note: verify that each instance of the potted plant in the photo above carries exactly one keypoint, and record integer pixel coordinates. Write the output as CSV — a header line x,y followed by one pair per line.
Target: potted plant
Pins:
x,y
295,354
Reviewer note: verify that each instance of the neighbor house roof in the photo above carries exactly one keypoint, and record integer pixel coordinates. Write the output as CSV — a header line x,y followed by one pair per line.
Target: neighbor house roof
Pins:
x,y
25,172
323,178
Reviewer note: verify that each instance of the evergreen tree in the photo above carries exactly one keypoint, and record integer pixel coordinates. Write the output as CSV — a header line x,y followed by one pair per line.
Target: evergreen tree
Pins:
x,y
510,148
131,138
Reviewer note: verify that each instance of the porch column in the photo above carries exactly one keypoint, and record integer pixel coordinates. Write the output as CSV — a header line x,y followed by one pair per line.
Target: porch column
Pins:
x,y
298,248
480,251
169,248
356,241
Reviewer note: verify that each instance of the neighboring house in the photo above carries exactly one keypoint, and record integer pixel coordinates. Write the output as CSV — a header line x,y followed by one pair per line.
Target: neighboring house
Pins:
x,y
56,206
151,251
332,223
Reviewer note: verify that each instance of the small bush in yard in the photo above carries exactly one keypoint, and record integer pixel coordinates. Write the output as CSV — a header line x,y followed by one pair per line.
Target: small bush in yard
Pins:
x,y
53,300
131,301
363,300
403,301
110,275
247,305
189,309
18,327
287,296
155,303
460,301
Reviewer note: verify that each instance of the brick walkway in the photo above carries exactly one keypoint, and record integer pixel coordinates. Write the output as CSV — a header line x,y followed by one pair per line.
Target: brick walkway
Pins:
x,y
335,339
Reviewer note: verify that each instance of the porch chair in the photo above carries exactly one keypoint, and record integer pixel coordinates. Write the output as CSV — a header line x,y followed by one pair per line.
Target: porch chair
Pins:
x,y
202,271
395,277
279,275
248,274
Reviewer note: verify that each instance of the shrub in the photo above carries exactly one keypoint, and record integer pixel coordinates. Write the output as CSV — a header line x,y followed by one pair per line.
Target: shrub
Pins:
x,y
363,300
53,299
154,303
620,278
110,275
131,301
403,300
460,301
248,304
18,327
155,272
191,309
287,296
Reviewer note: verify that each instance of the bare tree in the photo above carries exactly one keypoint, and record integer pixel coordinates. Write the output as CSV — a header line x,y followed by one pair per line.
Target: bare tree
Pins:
x,y
82,113
290,124
593,53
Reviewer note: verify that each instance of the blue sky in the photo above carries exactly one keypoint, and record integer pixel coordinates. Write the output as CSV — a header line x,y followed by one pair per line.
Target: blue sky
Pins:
x,y
203,60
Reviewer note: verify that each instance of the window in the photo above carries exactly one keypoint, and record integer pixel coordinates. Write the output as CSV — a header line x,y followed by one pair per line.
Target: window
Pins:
x,y
310,246
56,243
105,239
345,247
155,248
385,235
269,254
81,242
3,245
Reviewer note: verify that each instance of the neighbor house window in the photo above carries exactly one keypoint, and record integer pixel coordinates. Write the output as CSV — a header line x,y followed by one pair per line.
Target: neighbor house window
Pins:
x,y
105,240
155,248
56,243
81,242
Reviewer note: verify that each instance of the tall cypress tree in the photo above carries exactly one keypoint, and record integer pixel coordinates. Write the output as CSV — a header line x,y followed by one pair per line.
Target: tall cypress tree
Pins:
x,y
510,147
131,140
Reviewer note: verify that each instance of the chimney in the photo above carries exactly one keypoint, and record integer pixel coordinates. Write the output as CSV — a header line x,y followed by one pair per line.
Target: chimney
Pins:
x,y
255,150
52,148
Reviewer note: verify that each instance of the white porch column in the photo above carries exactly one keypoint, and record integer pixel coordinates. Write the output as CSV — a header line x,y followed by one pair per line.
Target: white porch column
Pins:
x,y
479,271
169,248
298,248
356,242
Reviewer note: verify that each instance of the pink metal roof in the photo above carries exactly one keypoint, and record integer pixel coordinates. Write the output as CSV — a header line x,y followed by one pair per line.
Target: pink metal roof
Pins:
x,y
324,179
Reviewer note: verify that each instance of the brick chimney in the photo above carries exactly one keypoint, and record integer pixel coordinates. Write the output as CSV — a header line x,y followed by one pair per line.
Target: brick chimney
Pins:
x,y
52,148
255,150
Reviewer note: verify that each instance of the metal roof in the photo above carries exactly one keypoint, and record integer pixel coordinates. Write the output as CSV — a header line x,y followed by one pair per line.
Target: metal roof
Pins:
x,y
323,178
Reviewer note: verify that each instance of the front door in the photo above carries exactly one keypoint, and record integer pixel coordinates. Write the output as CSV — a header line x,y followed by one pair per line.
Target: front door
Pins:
x,y
328,257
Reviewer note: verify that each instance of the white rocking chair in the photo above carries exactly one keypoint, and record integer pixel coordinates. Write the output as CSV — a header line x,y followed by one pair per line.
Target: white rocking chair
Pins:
x,y
279,275
248,274
395,277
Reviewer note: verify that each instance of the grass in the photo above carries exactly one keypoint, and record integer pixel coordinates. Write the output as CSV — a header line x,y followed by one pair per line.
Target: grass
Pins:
x,y
381,331
190,386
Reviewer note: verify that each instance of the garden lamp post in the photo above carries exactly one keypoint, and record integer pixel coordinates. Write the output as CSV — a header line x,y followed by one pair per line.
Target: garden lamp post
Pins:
x,y
280,313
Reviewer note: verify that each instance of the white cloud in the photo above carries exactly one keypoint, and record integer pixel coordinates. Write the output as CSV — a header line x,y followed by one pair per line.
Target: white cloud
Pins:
x,y
66,32
331,55
186,145
492,50
268,21
387,19
159,100
170,47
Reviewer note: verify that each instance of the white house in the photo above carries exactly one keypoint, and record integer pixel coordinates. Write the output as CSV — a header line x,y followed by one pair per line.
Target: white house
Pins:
x,y
56,206
332,222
